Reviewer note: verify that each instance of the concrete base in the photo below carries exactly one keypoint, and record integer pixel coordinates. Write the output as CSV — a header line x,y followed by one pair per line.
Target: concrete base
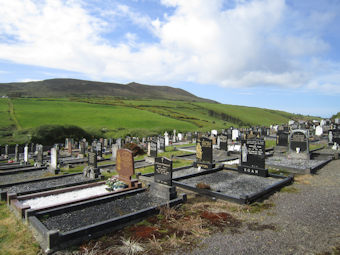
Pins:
x,y
163,191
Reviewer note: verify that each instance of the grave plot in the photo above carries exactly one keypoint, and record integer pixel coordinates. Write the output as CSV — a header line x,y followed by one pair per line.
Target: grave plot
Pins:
x,y
296,165
60,197
16,175
43,184
10,166
232,185
298,158
68,225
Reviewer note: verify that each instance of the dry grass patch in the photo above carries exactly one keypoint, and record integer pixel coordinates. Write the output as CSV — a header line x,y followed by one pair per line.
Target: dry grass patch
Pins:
x,y
303,179
15,237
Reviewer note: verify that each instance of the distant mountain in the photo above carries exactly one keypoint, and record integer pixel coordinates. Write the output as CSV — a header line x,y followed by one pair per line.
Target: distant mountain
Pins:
x,y
83,88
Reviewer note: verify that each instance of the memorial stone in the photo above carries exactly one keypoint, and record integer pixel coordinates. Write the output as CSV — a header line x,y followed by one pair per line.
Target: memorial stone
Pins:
x,y
40,155
204,153
163,171
162,144
253,157
152,149
125,167
99,150
16,153
282,138
6,151
114,151
223,142
299,144
26,154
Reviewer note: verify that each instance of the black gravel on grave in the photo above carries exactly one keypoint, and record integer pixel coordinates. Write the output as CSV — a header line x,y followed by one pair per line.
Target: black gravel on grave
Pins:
x,y
232,183
22,176
97,213
43,184
293,163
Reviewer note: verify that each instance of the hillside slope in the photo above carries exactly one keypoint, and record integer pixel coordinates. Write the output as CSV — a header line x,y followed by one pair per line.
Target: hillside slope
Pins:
x,y
82,88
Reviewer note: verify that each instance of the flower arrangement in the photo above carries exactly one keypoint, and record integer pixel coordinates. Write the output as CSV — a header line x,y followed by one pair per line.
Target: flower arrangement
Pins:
x,y
114,184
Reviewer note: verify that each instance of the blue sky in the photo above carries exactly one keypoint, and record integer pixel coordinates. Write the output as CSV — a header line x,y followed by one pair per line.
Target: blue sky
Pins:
x,y
266,53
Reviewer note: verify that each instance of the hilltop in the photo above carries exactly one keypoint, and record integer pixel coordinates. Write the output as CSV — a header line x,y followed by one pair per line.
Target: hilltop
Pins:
x,y
57,88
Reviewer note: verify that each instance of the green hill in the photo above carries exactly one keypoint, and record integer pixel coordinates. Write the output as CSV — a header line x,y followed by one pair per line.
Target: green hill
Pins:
x,y
112,117
80,88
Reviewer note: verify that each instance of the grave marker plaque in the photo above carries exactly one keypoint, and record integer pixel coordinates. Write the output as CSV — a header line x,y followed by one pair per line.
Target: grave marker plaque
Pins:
x,y
253,157
163,171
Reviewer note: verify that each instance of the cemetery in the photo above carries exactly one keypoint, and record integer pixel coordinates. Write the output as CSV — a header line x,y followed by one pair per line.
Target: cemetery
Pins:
x,y
103,192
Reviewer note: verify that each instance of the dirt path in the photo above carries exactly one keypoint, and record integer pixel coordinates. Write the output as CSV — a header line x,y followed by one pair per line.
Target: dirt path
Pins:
x,y
304,219
12,114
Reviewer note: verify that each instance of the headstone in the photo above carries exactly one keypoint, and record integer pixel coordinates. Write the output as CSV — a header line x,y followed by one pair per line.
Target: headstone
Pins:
x,y
92,171
114,151
125,167
69,147
119,143
319,131
40,155
105,143
26,154
253,157
180,137
82,149
16,153
336,136
162,144
163,171
235,134
6,151
92,159
204,153
166,138
152,149
282,138
299,144
174,136
54,161
99,150
223,142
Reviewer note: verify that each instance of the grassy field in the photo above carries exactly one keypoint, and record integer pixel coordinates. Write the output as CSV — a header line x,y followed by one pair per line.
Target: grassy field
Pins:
x,y
115,117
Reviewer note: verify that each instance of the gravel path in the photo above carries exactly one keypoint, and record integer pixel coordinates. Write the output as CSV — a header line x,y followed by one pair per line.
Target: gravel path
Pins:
x,y
33,186
101,212
306,221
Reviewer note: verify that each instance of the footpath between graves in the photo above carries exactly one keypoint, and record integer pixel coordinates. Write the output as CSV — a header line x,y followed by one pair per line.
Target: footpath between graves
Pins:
x,y
303,218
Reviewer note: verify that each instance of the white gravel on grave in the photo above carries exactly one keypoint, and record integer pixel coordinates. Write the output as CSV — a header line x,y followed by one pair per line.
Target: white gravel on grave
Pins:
x,y
232,162
66,197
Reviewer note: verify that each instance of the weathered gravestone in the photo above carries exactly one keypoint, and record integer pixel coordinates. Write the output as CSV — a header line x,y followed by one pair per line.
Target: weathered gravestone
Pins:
x,y
69,147
54,161
92,171
162,144
6,151
40,155
204,153
114,150
26,155
336,136
16,153
152,149
82,150
99,150
125,167
166,137
299,144
253,157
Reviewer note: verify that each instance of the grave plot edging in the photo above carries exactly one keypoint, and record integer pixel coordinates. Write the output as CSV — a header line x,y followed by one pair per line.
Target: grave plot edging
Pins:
x,y
52,240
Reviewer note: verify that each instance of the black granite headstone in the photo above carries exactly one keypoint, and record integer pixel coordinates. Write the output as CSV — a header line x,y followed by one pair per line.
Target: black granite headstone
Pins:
x,y
282,138
223,142
153,149
204,153
298,139
162,143
253,157
163,171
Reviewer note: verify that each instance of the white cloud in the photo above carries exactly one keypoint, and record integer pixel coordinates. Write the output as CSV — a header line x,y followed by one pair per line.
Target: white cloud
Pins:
x,y
201,42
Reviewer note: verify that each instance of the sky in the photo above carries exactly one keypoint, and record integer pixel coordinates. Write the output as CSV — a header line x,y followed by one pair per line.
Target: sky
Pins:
x,y
277,54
